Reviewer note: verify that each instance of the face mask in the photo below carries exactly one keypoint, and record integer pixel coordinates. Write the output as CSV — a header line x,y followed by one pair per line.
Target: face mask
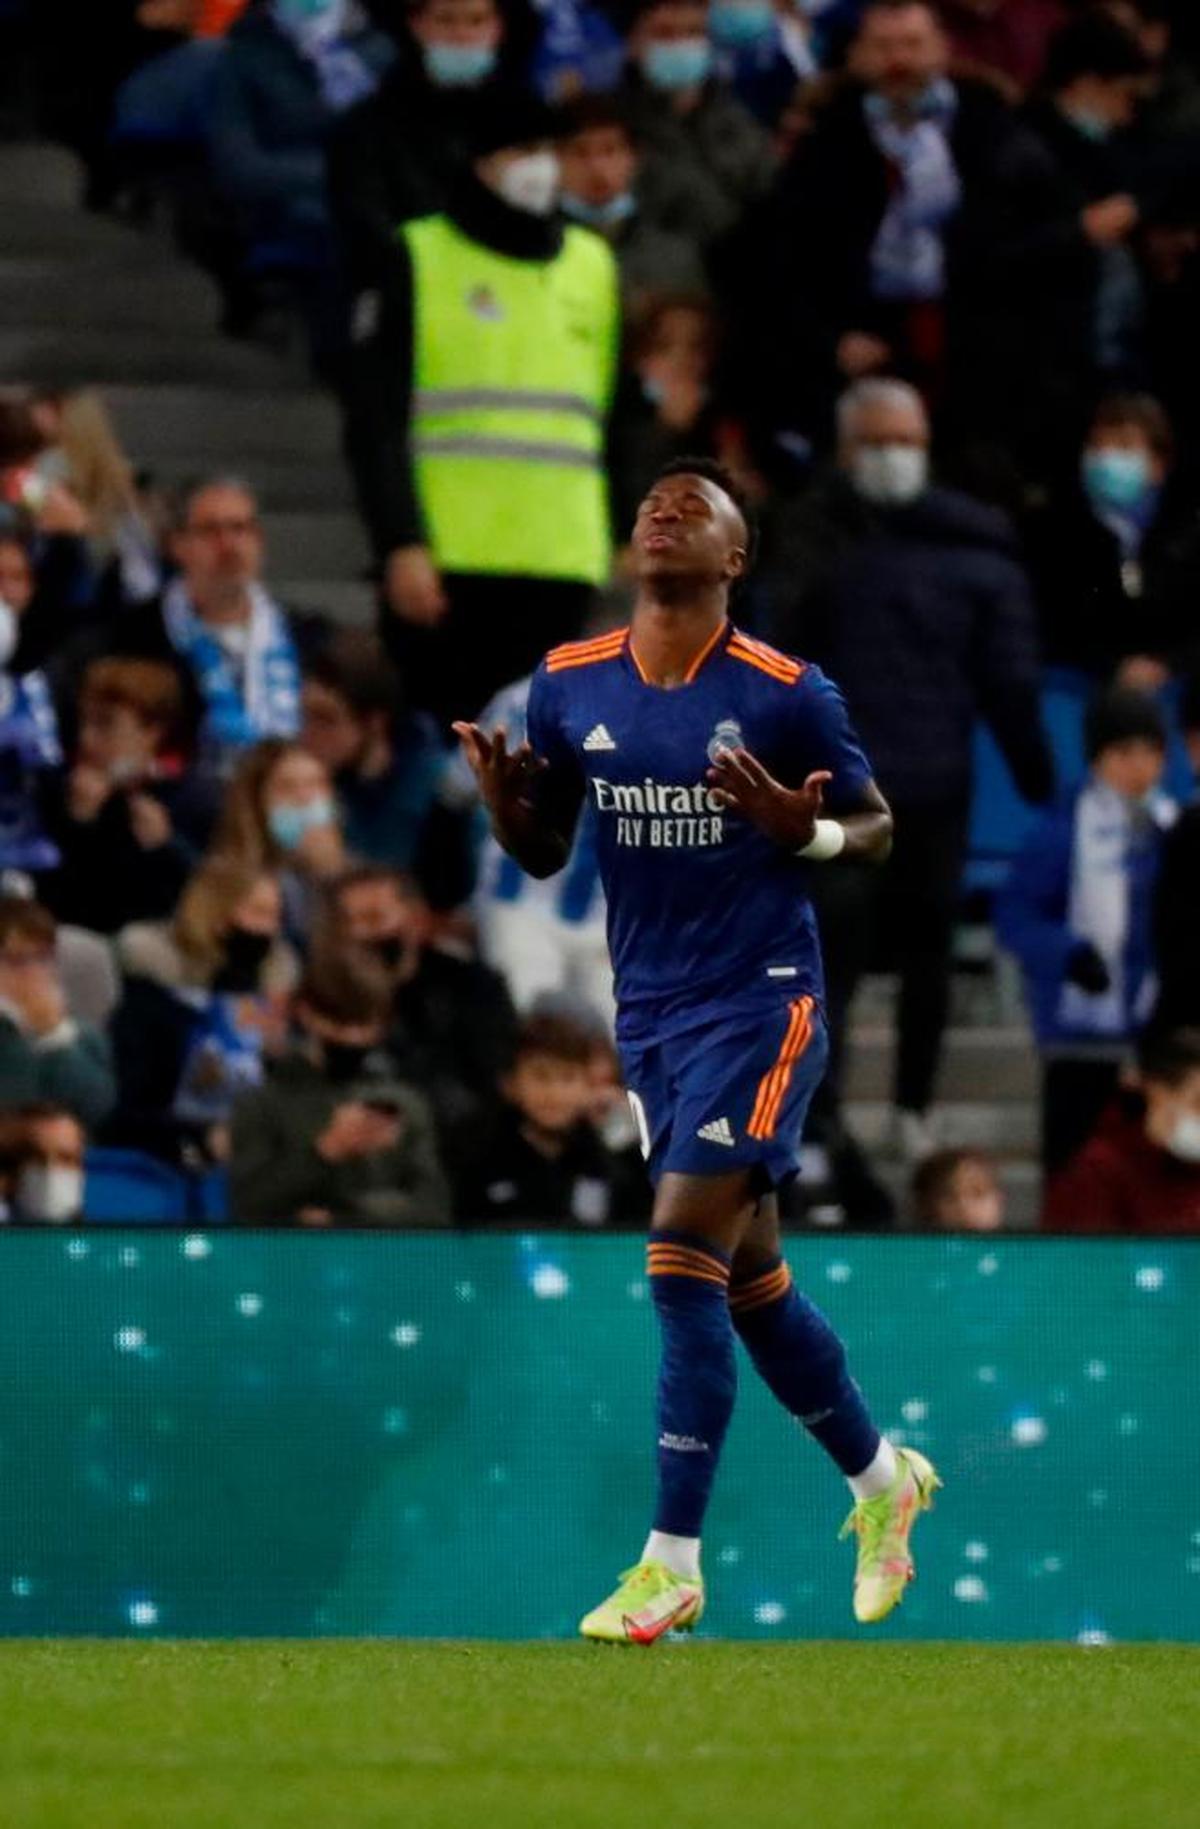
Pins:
x,y
740,22
389,952
677,63
343,1061
287,825
1184,1140
890,475
244,955
48,1194
1115,479
1093,127
531,182
9,631
599,215
458,66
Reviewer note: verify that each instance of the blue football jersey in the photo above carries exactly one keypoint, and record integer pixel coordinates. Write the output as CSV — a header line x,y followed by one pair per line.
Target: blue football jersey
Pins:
x,y
702,907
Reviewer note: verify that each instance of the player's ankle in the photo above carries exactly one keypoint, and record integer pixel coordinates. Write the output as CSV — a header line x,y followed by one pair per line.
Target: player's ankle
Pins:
x,y
879,1476
679,1554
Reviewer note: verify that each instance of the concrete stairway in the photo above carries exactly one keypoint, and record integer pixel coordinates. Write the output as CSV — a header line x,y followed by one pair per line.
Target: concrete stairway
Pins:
x,y
87,300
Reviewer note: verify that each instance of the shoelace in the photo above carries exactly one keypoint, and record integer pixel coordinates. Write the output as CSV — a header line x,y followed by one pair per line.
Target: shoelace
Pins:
x,y
868,1521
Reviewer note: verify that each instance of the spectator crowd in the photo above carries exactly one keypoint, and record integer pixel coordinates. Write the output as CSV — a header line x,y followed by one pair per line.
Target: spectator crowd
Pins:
x,y
924,278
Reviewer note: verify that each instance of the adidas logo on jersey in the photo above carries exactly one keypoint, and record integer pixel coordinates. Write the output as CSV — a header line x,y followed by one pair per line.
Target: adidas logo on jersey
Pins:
x,y
718,1131
598,739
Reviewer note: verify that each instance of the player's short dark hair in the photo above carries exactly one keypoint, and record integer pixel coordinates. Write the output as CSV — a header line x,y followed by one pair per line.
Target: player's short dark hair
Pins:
x,y
1168,1056
1123,714
559,1037
1094,45
715,472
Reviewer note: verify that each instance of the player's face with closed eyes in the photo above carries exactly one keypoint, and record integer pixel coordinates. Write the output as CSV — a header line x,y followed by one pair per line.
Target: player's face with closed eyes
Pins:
x,y
687,526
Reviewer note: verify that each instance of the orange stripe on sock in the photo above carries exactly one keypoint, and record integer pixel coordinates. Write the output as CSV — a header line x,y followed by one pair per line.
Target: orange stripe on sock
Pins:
x,y
774,1083
762,1292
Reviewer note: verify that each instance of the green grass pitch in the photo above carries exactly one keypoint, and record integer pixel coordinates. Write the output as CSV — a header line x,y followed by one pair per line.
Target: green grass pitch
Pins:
x,y
340,1735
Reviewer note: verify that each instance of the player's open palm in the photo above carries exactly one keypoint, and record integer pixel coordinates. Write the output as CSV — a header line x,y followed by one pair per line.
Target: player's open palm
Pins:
x,y
504,775
787,815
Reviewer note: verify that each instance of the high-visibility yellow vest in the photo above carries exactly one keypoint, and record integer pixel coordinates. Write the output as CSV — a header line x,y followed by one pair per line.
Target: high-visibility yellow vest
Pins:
x,y
513,372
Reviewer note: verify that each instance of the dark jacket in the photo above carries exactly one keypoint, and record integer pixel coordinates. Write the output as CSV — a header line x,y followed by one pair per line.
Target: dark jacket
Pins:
x,y
699,170
453,1033
106,878
1177,924
275,1171
922,615
512,1180
71,1067
269,122
398,155
1095,607
799,275
1123,1182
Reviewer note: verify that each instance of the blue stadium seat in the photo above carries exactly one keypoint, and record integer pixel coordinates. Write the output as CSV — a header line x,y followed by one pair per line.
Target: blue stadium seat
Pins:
x,y
125,1187
210,1198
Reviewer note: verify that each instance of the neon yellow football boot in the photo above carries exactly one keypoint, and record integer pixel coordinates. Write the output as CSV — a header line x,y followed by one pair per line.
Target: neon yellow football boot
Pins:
x,y
883,1527
650,1601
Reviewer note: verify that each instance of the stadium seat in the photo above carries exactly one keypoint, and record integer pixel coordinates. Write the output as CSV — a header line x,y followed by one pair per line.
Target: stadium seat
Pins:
x,y
125,1187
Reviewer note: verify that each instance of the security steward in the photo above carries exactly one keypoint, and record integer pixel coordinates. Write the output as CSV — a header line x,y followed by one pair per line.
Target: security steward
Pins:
x,y
481,385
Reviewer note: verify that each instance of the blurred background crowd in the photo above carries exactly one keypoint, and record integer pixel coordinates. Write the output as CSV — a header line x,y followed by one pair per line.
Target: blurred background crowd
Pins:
x,y
926,279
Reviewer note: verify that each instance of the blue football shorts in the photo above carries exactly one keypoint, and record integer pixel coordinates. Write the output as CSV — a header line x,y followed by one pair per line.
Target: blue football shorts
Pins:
x,y
730,1093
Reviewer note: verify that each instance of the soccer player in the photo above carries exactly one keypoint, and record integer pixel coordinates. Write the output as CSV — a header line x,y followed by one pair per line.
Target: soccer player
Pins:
x,y
708,758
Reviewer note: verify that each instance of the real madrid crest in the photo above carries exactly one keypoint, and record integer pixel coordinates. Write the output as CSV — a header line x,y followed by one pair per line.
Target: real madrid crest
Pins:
x,y
727,735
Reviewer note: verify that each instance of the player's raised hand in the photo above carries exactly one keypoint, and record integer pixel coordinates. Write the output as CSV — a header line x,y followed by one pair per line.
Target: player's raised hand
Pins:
x,y
787,815
504,777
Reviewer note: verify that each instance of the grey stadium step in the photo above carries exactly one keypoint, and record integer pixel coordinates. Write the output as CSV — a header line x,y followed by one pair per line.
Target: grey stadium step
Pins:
x,y
350,604
74,357
223,427
978,1065
39,176
119,291
326,544
1005,1130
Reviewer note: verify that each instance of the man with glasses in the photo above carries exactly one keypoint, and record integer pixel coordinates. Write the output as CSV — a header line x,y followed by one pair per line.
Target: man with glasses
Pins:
x,y
231,640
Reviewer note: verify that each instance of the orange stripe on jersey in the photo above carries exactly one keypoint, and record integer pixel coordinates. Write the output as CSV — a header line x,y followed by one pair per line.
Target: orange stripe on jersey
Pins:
x,y
762,1290
583,653
775,656
787,673
774,1084
704,653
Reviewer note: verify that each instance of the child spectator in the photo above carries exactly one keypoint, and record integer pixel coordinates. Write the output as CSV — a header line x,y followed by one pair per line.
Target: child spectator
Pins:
x,y
205,1000
611,1116
1140,1174
958,1190
43,1053
334,1134
544,1162
1078,913
126,819
452,1021
280,814
385,763
41,1153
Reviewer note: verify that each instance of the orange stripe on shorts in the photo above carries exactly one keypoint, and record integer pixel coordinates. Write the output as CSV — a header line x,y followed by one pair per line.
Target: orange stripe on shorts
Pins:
x,y
775,1082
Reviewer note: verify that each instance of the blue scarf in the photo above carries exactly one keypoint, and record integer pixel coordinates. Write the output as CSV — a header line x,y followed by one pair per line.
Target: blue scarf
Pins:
x,y
265,702
224,1056
344,75
908,259
28,745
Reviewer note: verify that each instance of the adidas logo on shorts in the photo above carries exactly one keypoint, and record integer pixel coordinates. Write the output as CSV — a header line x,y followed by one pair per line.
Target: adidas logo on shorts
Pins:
x,y
598,739
719,1131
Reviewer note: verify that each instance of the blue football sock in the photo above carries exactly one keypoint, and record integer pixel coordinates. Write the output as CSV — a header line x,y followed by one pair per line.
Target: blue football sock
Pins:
x,y
798,1355
697,1379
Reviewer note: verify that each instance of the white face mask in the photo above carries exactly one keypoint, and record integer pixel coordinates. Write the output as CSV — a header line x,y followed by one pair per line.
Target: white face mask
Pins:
x,y
531,182
890,475
9,631
1184,1140
51,1195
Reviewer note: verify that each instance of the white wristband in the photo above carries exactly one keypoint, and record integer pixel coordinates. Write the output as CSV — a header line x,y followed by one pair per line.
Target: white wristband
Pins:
x,y
828,840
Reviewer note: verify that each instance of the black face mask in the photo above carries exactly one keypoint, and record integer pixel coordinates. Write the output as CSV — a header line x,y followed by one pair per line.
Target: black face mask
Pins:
x,y
244,956
344,1061
389,952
